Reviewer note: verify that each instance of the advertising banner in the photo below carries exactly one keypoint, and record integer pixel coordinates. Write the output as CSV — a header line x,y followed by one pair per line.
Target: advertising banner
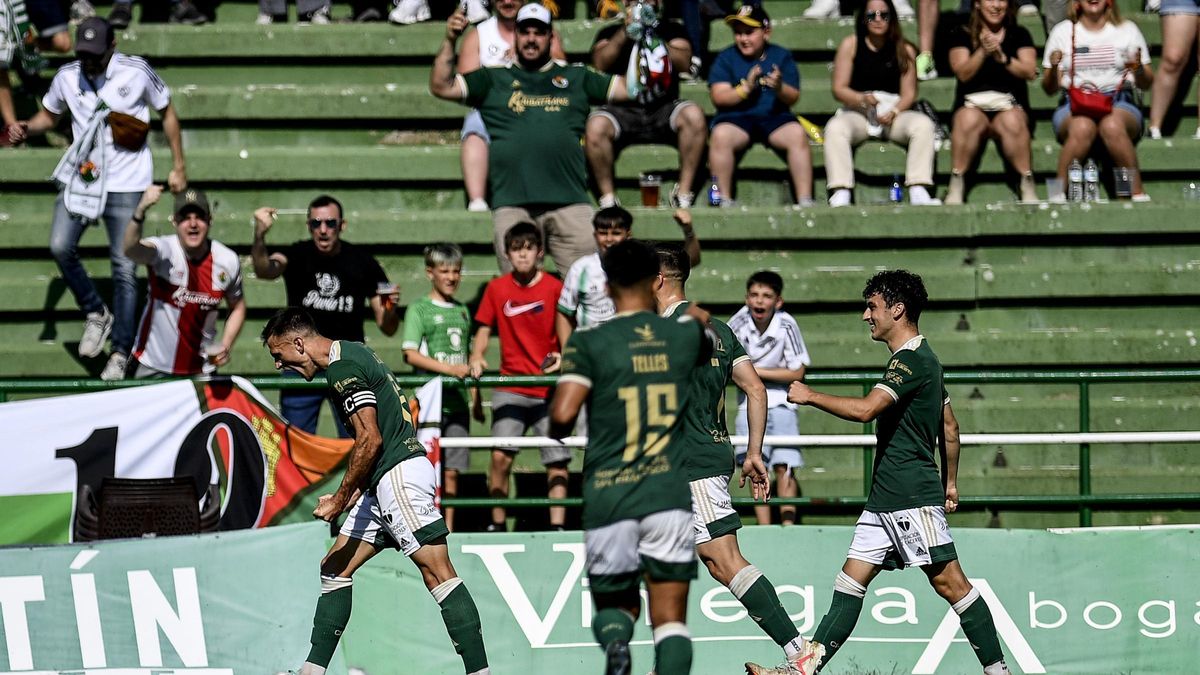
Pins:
x,y
221,432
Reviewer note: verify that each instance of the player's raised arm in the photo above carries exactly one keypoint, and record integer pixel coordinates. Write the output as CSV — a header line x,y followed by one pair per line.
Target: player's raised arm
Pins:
x,y
856,409
949,446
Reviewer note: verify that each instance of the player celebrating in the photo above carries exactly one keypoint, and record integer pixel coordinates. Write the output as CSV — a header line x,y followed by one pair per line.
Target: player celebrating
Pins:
x,y
388,468
904,522
634,372
708,459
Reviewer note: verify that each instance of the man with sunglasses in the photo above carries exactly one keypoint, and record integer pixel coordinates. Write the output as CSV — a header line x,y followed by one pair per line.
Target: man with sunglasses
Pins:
x,y
330,278
108,96
535,110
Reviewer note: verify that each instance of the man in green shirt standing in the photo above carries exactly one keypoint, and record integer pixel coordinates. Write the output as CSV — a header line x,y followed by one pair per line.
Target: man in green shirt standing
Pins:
x,y
535,110
633,371
389,482
904,521
708,458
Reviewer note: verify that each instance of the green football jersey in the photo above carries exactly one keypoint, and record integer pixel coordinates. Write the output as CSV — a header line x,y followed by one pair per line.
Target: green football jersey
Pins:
x,y
359,379
536,120
906,472
442,332
636,367
707,450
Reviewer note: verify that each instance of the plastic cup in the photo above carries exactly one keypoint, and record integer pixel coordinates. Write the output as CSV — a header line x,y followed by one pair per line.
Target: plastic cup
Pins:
x,y
385,291
1123,181
1054,190
650,186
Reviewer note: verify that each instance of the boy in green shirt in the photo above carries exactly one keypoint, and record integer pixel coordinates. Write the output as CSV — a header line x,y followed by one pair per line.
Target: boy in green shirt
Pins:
x,y
437,340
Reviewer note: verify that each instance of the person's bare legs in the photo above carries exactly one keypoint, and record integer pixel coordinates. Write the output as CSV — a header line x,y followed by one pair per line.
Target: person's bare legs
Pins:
x,y
791,140
499,472
1011,127
967,133
1078,135
556,484
691,130
786,487
1118,130
724,144
927,23
1178,33
599,136
449,489
474,158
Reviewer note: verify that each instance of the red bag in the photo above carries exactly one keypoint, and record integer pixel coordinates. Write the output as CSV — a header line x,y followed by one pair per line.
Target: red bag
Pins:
x,y
1087,100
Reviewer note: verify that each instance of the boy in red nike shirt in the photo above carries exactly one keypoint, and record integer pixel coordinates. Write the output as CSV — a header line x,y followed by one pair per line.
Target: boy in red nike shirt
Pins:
x,y
520,307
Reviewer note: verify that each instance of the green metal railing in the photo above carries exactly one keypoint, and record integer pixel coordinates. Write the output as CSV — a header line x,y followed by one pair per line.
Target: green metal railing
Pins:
x,y
1085,501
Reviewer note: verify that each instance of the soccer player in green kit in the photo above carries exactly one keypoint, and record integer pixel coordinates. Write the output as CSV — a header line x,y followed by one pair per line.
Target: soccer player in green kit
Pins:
x,y
633,372
904,521
389,481
708,460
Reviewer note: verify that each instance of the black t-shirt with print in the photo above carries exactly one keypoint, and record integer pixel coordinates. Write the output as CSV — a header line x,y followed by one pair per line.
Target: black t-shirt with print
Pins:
x,y
333,288
662,82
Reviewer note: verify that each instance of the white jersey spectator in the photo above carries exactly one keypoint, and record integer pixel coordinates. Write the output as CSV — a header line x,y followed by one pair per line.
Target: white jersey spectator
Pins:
x,y
781,345
584,295
190,275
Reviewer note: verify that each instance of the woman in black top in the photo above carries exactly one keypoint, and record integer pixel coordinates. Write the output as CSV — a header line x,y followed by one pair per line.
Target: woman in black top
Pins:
x,y
993,58
875,80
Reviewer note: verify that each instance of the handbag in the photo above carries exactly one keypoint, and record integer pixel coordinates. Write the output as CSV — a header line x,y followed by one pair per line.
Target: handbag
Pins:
x,y
1087,100
128,131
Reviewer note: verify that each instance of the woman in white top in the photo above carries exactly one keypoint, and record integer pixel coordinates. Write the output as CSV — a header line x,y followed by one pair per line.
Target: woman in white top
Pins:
x,y
1111,55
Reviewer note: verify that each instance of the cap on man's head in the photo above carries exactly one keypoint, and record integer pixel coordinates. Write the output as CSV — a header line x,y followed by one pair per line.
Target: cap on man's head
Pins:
x,y
753,16
534,13
93,37
192,200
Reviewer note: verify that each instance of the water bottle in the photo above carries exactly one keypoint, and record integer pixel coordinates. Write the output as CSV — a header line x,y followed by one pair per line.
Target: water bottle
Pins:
x,y
714,193
1091,181
1075,181
896,194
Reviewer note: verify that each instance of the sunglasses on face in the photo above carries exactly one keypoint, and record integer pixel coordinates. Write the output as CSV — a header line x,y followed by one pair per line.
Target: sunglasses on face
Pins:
x,y
331,223
879,15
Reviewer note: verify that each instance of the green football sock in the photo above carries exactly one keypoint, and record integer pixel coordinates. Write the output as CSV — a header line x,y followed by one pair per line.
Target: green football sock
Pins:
x,y
758,596
977,625
672,649
838,623
330,618
612,624
462,623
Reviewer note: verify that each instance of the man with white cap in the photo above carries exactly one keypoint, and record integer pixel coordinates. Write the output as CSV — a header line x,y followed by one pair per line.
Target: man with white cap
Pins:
x,y
535,108
108,96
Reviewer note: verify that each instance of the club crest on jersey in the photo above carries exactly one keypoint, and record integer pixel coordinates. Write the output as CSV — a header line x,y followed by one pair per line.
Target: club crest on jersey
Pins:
x,y
559,81
646,333
123,91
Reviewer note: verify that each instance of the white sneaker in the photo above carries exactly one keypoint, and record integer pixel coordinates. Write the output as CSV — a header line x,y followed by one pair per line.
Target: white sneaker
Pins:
x,y
1027,10
609,200
96,329
80,10
477,10
919,196
840,197
478,206
1153,6
904,10
115,368
680,199
823,9
804,663
1197,134
410,11
1155,133
318,17
264,19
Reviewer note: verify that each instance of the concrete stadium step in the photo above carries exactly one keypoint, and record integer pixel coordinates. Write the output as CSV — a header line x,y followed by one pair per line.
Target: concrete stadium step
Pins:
x,y
1043,337
429,163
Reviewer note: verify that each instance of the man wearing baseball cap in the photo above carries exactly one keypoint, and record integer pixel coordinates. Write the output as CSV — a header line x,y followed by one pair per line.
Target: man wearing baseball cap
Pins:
x,y
189,275
102,175
535,110
753,85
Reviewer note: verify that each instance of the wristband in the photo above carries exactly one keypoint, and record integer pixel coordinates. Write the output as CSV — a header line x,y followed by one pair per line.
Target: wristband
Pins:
x,y
139,221
742,90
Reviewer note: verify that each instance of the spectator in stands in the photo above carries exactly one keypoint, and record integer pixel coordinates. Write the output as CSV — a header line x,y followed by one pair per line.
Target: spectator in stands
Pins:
x,y
658,51
332,280
875,80
121,159
437,330
519,308
11,48
181,11
772,339
753,85
490,45
535,109
1180,27
993,58
584,302
1113,58
189,275
51,23
307,11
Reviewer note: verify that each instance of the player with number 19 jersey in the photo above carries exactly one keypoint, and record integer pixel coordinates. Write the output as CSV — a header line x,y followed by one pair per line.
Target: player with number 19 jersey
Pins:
x,y
637,367
359,379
